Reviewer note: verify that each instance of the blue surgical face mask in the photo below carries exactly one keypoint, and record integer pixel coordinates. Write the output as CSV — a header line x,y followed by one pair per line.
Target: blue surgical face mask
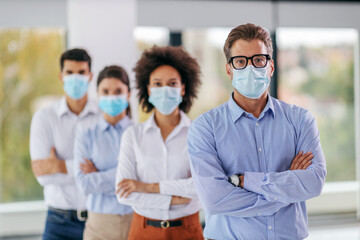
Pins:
x,y
113,105
76,85
165,99
251,82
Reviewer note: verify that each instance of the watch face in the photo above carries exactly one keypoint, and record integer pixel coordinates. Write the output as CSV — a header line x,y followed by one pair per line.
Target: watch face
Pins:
x,y
235,180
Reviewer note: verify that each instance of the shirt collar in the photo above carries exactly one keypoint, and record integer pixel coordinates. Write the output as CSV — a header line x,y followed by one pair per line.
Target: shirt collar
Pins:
x,y
184,122
63,107
236,111
90,107
122,124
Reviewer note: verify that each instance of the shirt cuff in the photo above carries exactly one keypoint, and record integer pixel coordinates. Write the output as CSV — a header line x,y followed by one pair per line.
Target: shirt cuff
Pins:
x,y
69,163
164,188
253,181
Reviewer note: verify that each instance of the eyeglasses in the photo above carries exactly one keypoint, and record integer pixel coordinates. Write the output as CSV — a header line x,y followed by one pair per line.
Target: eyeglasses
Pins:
x,y
258,61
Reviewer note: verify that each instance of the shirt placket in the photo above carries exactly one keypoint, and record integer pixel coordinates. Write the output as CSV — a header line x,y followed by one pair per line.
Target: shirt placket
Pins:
x,y
164,163
263,168
260,146
270,228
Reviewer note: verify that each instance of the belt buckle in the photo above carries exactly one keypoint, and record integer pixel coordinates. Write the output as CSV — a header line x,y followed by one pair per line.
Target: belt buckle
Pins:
x,y
165,224
81,215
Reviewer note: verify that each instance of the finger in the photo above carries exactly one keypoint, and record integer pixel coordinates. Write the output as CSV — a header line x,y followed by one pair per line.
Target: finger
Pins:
x,y
300,160
307,165
125,192
82,167
295,160
121,184
88,162
298,155
124,181
53,152
305,161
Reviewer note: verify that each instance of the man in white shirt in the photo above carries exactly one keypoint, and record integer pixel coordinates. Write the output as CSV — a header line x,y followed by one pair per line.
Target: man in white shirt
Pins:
x,y
52,136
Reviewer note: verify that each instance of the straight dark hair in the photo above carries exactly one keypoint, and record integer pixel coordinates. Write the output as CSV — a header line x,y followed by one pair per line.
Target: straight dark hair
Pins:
x,y
76,54
116,72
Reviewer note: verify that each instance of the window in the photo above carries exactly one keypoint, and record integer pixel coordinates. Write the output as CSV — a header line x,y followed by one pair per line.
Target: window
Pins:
x,y
29,67
316,71
206,45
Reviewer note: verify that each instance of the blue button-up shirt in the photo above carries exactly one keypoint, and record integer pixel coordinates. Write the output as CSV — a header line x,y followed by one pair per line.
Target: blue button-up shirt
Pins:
x,y
226,141
101,145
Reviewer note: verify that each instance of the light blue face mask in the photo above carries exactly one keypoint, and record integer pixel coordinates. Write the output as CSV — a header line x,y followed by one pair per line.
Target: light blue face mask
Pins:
x,y
113,105
165,99
76,85
251,82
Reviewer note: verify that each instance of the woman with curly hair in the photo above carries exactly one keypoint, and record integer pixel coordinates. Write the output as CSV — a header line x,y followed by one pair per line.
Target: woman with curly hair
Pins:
x,y
153,173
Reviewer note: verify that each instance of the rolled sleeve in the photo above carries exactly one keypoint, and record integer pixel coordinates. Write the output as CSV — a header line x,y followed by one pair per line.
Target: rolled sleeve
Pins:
x,y
182,187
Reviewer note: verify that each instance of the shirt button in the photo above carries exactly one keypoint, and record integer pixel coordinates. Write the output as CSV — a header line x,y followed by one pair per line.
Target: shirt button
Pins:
x,y
270,227
257,124
259,214
259,149
275,198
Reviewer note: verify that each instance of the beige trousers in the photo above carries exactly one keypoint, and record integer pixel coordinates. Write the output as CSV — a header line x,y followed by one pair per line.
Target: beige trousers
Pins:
x,y
107,226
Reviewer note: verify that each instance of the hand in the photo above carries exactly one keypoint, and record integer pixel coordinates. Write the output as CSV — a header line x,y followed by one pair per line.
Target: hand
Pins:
x,y
241,181
127,186
88,167
301,161
49,165
175,200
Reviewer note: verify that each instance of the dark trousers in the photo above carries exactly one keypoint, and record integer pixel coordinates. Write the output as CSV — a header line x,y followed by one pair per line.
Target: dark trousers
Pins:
x,y
60,226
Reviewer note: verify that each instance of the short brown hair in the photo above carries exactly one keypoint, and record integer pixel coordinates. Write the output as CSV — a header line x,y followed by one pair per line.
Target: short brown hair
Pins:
x,y
76,54
247,32
176,57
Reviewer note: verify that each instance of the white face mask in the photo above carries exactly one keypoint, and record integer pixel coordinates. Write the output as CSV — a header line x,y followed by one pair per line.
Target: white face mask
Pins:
x,y
165,99
251,82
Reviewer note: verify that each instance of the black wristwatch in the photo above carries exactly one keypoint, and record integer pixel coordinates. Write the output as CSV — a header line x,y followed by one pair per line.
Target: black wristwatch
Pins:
x,y
235,180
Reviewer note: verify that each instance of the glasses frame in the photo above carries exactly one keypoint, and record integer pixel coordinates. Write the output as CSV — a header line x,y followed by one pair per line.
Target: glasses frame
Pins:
x,y
231,60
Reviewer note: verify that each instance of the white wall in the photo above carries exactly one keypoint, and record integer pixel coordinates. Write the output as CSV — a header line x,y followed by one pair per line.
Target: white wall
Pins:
x,y
105,28
32,13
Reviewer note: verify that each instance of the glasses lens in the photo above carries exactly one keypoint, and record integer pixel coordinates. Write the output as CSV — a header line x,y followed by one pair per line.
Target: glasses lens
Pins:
x,y
239,62
259,61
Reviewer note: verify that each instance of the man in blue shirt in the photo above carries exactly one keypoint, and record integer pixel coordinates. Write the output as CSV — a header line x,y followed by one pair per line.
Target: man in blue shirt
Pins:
x,y
255,159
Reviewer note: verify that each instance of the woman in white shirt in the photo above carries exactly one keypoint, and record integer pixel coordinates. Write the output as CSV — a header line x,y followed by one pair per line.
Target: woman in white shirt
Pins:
x,y
153,173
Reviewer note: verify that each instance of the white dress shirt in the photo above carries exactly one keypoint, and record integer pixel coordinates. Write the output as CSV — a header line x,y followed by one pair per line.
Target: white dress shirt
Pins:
x,y
56,126
145,156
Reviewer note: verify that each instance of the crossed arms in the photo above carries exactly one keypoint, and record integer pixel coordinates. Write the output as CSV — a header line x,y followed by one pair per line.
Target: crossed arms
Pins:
x,y
263,194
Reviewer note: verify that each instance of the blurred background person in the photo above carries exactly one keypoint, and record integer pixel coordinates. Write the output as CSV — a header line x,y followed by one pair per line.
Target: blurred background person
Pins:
x,y
95,152
52,136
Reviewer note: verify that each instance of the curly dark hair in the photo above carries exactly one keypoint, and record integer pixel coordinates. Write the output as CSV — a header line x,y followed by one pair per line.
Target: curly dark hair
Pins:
x,y
176,57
